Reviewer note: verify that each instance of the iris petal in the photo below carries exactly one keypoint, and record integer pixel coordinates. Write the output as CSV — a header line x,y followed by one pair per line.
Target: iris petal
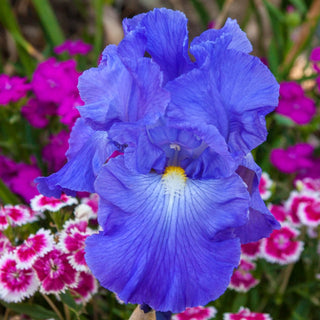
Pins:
x,y
88,151
241,92
159,243
261,222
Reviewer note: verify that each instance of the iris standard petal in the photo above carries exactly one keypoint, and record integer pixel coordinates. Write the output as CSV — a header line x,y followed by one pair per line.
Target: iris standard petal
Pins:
x,y
166,39
232,91
238,41
157,245
114,93
261,221
88,150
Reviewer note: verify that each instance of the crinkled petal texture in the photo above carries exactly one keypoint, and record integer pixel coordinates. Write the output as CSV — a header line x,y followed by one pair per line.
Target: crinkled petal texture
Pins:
x,y
114,93
163,34
261,221
231,90
88,151
159,247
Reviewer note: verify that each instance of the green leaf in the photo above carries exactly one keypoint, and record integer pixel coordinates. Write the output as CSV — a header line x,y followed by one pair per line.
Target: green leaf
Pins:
x,y
284,121
6,196
34,311
49,21
300,5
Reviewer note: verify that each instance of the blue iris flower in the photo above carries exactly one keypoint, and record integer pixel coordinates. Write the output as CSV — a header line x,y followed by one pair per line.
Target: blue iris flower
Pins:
x,y
182,196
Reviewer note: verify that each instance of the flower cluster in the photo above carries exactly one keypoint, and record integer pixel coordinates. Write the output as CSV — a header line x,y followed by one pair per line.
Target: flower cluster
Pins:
x,y
166,143
48,261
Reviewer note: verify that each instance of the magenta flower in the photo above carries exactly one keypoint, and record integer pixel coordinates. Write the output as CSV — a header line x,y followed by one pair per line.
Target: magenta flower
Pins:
x,y
315,58
4,223
265,185
246,314
38,112
251,250
17,215
43,203
35,246
12,89
293,159
242,280
68,110
16,283
73,47
294,104
86,287
54,152
309,184
293,204
23,183
279,212
55,272
196,313
281,247
309,213
53,81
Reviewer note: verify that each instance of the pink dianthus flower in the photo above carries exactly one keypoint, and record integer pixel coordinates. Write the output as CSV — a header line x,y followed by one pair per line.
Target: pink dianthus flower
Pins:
x,y
73,47
294,104
12,89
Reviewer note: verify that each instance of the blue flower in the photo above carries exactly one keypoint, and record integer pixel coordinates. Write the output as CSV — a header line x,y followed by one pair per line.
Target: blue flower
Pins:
x,y
182,196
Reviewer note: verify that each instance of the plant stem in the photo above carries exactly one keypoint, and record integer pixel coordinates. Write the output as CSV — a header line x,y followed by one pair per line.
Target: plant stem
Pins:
x,y
53,306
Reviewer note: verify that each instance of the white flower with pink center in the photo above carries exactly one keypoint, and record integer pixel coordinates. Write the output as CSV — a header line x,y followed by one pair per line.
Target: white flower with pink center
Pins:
x,y
281,247
308,184
251,251
86,287
73,242
17,215
309,213
5,244
35,246
293,203
265,185
279,212
92,202
196,313
246,314
16,283
42,203
242,280
80,225
4,224
55,272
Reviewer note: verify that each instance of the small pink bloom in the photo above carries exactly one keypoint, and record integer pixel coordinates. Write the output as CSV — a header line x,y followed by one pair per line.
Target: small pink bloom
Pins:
x,y
315,58
281,247
68,110
23,183
42,203
88,208
293,204
295,158
12,89
35,246
309,184
54,152
246,314
4,224
18,214
196,313
251,250
242,280
279,212
53,81
86,287
309,213
73,47
73,243
55,272
16,283
80,225
5,244
265,186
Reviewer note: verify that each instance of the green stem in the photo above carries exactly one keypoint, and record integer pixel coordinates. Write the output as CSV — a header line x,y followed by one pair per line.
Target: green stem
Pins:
x,y
53,306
